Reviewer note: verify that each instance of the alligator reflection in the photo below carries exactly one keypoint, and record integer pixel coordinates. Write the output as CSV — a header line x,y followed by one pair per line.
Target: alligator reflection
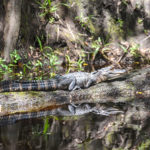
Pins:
x,y
62,110
76,126
91,131
60,133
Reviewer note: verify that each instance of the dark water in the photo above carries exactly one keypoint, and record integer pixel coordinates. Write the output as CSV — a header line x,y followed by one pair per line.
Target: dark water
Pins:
x,y
55,133
128,131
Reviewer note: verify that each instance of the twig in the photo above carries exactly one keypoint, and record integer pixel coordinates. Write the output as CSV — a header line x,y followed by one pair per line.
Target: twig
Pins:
x,y
145,39
68,26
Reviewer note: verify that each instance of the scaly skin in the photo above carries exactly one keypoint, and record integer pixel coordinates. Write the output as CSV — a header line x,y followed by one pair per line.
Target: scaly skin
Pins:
x,y
71,81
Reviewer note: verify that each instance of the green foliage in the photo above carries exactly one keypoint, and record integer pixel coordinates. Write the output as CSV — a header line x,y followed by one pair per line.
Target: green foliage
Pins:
x,y
20,74
125,49
120,22
115,27
8,68
51,20
15,57
125,2
4,68
146,31
82,20
22,69
50,55
78,64
134,50
47,9
67,5
68,59
53,59
38,63
40,44
86,22
46,125
27,66
140,21
96,45
145,145
49,2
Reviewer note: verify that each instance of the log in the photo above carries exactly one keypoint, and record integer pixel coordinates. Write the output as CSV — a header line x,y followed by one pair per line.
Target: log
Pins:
x,y
127,89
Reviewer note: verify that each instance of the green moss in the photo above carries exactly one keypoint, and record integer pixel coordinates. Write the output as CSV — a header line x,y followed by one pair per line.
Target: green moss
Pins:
x,y
29,93
110,138
115,28
145,145
5,93
140,21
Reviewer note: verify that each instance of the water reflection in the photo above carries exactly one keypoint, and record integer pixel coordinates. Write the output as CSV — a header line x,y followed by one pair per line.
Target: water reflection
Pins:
x,y
129,131
10,136
61,133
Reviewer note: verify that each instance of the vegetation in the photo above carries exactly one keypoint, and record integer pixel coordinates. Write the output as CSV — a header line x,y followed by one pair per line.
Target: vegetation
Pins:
x,y
22,70
48,59
96,45
86,22
145,145
4,68
47,10
44,59
76,64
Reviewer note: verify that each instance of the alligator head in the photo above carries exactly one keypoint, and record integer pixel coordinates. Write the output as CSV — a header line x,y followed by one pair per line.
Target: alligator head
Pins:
x,y
82,109
108,73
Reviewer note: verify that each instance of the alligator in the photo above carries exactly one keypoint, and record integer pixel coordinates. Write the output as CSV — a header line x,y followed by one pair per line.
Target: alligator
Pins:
x,y
72,110
71,81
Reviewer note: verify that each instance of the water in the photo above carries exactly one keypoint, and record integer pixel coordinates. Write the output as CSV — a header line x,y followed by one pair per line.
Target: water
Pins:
x,y
54,133
127,131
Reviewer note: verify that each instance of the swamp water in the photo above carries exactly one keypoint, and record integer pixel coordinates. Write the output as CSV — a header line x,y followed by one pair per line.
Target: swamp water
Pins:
x,y
123,131
56,133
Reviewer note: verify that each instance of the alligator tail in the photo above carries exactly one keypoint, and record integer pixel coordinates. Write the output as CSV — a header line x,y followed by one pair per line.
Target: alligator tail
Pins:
x,y
13,86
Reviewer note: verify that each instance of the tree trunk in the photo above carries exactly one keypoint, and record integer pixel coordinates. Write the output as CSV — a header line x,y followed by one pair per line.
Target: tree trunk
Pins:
x,y
12,26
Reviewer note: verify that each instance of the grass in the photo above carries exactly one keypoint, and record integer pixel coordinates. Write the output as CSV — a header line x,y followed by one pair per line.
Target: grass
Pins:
x,y
47,10
77,64
145,145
